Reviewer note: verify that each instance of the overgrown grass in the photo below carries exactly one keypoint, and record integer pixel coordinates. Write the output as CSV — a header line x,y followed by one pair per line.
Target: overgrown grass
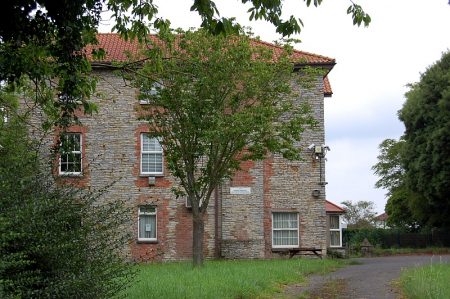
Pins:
x,y
405,251
431,281
224,279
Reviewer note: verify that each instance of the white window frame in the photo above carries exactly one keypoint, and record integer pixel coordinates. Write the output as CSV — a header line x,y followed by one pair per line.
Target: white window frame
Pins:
x,y
283,229
151,152
336,230
152,92
141,213
79,152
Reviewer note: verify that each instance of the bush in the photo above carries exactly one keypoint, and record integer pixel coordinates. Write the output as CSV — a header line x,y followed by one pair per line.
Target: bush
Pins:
x,y
55,242
354,237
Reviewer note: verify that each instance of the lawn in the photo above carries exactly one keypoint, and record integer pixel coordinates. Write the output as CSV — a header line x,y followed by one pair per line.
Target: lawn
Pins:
x,y
431,281
224,279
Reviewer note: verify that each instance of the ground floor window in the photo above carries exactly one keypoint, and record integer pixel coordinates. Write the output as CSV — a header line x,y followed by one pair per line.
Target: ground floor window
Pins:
x,y
284,230
335,231
147,223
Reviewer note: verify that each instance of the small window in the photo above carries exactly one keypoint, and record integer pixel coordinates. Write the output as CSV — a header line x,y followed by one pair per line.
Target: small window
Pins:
x,y
147,223
70,161
151,156
146,94
285,230
335,231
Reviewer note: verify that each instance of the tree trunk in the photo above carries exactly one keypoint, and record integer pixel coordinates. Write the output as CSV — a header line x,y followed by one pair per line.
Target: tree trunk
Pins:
x,y
197,239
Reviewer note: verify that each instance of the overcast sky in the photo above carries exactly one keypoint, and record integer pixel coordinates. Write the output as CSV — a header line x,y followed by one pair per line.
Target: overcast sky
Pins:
x,y
374,65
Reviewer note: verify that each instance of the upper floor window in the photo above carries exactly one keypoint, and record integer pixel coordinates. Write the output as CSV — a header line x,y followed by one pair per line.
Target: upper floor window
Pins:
x,y
146,94
151,155
335,231
70,161
285,230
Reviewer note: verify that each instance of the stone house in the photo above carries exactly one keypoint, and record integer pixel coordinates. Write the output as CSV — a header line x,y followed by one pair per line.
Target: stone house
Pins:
x,y
268,207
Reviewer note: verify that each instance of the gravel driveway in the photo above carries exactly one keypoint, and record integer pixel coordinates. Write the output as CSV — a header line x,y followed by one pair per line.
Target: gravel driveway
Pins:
x,y
371,279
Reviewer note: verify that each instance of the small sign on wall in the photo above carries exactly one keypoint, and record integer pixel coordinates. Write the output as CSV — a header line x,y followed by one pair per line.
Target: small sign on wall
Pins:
x,y
148,227
240,190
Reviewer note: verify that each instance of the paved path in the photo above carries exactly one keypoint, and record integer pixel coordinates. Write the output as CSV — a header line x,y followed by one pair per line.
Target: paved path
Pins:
x,y
371,279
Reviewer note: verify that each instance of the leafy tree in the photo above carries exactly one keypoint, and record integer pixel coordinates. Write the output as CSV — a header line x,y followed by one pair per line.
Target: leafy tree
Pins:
x,y
391,171
33,31
219,100
360,214
426,115
55,242
389,167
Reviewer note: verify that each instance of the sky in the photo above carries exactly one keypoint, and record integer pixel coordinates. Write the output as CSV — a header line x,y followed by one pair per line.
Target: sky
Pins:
x,y
374,67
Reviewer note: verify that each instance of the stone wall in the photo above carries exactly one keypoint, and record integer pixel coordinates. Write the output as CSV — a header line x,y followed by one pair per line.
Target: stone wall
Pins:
x,y
111,148
277,185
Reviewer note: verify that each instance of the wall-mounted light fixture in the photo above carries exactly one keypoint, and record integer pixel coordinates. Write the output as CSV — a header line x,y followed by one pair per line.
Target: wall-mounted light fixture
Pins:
x,y
319,152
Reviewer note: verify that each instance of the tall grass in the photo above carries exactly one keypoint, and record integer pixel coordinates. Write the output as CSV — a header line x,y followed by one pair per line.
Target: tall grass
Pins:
x,y
223,279
432,281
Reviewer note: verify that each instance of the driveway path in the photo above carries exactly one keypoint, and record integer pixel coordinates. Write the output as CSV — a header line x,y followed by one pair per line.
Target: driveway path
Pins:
x,y
371,279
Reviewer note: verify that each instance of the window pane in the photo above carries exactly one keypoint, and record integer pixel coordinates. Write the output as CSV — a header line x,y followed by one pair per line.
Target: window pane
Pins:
x,y
147,209
152,163
285,237
147,226
285,220
150,144
335,238
334,221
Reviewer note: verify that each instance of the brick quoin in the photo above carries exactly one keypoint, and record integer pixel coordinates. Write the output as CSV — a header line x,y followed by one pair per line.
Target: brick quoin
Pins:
x,y
243,177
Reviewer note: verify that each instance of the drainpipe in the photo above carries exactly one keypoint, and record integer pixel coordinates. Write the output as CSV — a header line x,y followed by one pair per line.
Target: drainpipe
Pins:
x,y
217,224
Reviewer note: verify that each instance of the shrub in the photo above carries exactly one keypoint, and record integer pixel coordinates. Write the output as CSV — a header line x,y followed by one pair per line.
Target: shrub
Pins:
x,y
55,242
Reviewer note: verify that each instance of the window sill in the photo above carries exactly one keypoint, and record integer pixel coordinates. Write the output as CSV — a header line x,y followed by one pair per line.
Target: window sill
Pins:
x,y
70,175
282,249
159,175
147,242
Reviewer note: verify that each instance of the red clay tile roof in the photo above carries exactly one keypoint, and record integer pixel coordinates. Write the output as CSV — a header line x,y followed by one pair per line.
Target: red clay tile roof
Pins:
x,y
117,49
333,208
382,217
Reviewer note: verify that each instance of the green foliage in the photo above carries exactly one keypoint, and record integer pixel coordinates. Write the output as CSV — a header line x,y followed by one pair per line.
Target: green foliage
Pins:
x,y
360,214
55,242
354,237
44,41
391,171
217,101
389,167
400,210
427,281
218,106
224,279
426,115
